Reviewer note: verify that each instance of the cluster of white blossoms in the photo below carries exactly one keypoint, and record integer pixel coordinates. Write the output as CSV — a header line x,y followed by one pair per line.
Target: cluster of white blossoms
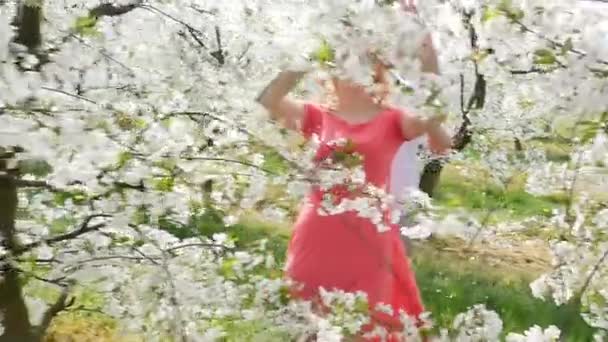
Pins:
x,y
143,115
536,334
477,324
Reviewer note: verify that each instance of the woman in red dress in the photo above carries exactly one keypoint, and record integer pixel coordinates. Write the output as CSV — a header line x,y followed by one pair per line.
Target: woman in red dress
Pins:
x,y
345,251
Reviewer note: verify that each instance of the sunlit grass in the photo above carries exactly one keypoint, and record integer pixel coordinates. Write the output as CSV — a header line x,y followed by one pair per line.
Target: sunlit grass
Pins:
x,y
473,189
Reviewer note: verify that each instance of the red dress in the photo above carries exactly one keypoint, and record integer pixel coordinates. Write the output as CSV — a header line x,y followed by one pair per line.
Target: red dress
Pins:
x,y
345,251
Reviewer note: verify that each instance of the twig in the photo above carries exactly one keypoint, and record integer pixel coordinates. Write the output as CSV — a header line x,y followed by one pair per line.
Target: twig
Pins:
x,y
219,53
198,244
195,37
554,42
161,12
201,11
79,97
151,259
232,161
533,70
595,269
103,52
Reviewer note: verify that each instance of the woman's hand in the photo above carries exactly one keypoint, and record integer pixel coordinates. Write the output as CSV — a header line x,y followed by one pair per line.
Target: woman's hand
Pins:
x,y
439,140
436,121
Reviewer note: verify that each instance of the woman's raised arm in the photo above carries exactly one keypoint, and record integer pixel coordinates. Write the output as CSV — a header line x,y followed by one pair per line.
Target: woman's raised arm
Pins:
x,y
276,100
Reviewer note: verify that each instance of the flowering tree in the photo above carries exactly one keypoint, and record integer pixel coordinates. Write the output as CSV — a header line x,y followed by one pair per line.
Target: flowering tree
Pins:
x,y
118,119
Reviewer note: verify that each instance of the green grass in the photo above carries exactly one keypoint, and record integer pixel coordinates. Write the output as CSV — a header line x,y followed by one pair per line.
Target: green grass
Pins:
x,y
450,285
475,191
245,233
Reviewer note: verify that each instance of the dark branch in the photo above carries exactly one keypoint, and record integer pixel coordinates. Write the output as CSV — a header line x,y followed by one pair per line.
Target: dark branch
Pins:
x,y
69,94
533,70
195,37
190,28
111,10
23,183
197,244
477,99
219,53
83,229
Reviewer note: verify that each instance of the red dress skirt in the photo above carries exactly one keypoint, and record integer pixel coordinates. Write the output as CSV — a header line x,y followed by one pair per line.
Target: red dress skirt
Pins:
x,y
345,251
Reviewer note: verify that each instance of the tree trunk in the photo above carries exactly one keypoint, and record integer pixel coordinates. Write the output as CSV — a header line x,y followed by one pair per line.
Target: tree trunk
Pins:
x,y
27,22
430,177
15,318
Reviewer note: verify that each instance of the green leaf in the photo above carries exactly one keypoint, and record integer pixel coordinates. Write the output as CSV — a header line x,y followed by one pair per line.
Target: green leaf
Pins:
x,y
361,306
123,159
324,54
567,46
489,14
544,56
350,146
85,25
514,14
127,122
164,184
141,216
227,268
77,197
284,295
61,225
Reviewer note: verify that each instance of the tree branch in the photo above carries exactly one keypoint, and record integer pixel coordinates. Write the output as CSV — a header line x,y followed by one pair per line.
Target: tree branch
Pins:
x,y
571,49
593,272
60,304
79,97
112,10
198,244
232,161
191,29
219,53
83,229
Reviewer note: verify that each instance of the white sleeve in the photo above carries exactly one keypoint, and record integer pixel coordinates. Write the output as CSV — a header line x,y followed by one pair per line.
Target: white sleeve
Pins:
x,y
405,168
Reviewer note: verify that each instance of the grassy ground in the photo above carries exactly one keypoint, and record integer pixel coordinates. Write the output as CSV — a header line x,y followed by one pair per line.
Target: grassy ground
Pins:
x,y
471,188
450,283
